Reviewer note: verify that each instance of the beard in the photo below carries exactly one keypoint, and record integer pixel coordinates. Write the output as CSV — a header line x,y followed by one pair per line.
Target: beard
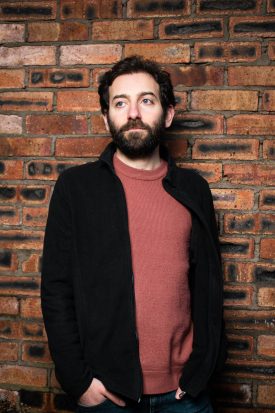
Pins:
x,y
137,144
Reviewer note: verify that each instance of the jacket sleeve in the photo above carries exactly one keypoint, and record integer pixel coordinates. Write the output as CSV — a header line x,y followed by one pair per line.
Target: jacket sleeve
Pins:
x,y
57,297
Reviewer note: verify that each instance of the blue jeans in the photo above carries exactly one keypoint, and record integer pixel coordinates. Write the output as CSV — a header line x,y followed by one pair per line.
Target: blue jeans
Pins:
x,y
158,403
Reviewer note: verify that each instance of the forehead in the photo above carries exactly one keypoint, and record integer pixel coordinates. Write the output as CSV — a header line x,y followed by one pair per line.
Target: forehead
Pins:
x,y
133,84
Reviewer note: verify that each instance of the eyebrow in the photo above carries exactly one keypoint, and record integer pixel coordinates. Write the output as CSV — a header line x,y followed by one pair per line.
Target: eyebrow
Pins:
x,y
123,95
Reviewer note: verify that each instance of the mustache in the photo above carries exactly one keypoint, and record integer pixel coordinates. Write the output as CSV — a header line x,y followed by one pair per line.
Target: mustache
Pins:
x,y
134,123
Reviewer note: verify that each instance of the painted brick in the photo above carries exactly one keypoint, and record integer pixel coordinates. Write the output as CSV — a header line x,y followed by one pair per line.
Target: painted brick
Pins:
x,y
256,369
235,271
90,9
27,55
148,8
267,248
197,124
36,352
237,247
25,146
11,169
251,124
161,53
57,32
56,124
8,261
250,320
252,26
34,194
35,217
12,32
268,100
266,296
196,75
77,101
249,223
236,296
233,198
21,239
267,199
9,216
14,285
32,263
271,50
177,147
224,100
30,307
90,54
123,30
83,147
228,393
21,10
26,101
190,28
251,76
59,78
24,376
240,345
266,394
225,149
227,51
9,306
47,170
11,78
10,124
266,346
229,7
212,172
8,351
264,272
251,174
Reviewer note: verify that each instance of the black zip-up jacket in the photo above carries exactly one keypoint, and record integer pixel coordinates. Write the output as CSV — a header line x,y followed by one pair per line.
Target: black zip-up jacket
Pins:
x,y
87,287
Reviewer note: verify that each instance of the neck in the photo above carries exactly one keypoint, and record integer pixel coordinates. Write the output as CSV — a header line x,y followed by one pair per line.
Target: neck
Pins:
x,y
148,163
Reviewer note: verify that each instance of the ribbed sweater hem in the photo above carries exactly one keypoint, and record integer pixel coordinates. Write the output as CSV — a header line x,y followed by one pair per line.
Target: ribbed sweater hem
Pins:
x,y
155,382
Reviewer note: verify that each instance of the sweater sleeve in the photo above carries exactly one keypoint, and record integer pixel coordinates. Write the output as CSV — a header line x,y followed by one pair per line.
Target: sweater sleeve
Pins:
x,y
57,297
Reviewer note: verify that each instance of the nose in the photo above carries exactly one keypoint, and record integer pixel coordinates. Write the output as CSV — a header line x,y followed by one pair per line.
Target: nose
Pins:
x,y
134,112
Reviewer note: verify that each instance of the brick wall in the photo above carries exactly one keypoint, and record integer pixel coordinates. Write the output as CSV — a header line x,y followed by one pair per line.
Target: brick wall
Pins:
x,y
221,56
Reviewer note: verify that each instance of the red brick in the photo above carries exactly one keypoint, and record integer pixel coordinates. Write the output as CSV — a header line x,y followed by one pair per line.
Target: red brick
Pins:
x,y
34,194
136,8
8,351
233,198
190,28
11,170
59,78
177,147
9,215
235,295
10,124
251,124
22,10
267,248
11,78
266,394
8,260
227,52
90,9
56,124
25,146
21,239
10,329
36,352
267,199
254,369
88,54
249,320
30,307
13,285
228,393
237,247
230,7
23,376
225,149
251,76
35,217
266,347
249,223
266,295
26,101
9,400
57,32
196,75
268,101
123,30
210,171
239,271
27,55
161,52
270,9
240,345
181,99
249,174
12,32
252,26
224,100
31,264
16,329
48,170
197,124
271,50
8,193
97,124
83,147
9,306
77,101
264,272
96,75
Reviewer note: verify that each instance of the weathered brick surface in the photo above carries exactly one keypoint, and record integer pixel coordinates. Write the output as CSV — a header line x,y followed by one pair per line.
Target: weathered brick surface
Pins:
x,y
80,101
90,54
47,170
25,146
249,223
57,32
197,124
227,52
36,352
237,247
80,147
233,198
12,33
161,8
35,217
251,76
26,10
10,124
190,28
268,100
30,307
9,216
59,78
238,296
56,124
11,169
251,124
267,199
229,7
27,55
225,149
195,75
212,172
90,9
26,101
9,305
252,26
24,376
267,248
11,78
8,351
266,344
123,30
32,263
224,100
271,50
266,394
249,174
162,53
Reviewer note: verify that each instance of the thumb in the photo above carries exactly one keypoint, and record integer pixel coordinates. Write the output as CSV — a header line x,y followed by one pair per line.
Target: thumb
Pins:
x,y
115,399
179,393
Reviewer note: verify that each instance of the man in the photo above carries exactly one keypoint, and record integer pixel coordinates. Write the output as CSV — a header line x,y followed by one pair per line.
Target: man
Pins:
x,y
131,279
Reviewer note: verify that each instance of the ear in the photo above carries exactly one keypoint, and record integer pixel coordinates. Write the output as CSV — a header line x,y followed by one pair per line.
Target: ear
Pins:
x,y
105,119
169,116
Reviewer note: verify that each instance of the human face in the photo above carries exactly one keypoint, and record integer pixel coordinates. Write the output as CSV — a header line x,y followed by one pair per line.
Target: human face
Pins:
x,y
136,118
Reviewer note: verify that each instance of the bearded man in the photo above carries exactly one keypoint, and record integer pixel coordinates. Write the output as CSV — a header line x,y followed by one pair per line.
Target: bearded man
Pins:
x,y
131,278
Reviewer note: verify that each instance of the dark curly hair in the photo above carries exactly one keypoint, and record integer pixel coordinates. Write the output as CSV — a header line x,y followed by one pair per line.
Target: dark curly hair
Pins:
x,y
136,64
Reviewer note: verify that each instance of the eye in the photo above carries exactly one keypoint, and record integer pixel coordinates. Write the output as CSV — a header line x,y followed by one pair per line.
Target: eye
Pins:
x,y
120,104
148,101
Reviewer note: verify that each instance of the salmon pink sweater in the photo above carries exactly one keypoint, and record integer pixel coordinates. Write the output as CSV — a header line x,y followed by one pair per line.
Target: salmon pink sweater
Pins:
x,y
159,232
